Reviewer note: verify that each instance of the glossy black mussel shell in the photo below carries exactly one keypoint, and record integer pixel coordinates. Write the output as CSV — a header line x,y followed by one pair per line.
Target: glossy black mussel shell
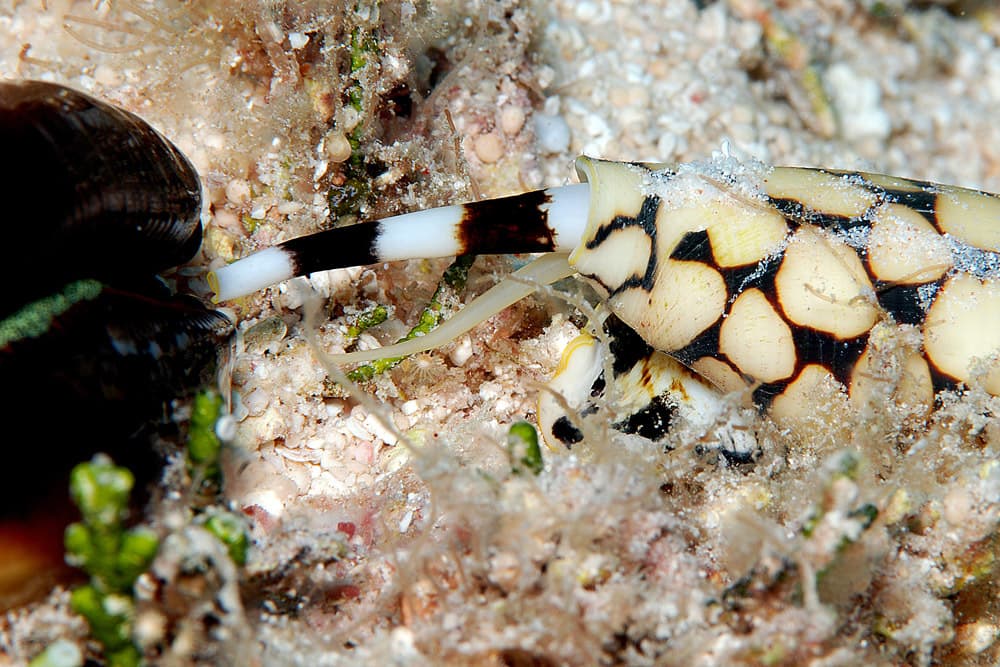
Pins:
x,y
94,349
99,377
96,197
90,191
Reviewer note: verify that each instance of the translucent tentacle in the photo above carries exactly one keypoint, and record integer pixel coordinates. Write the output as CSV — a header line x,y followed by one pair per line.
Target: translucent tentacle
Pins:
x,y
542,271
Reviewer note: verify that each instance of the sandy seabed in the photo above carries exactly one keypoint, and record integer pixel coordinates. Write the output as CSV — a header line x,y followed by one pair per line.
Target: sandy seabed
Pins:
x,y
873,541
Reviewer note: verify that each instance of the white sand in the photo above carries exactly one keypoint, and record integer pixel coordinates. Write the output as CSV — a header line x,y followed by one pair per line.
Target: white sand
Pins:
x,y
370,552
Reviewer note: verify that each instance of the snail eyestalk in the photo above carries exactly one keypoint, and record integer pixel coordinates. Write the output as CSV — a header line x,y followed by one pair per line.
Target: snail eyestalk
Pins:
x,y
549,220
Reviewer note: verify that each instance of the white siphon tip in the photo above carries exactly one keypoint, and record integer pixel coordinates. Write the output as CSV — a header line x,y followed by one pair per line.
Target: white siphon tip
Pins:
x,y
245,276
568,212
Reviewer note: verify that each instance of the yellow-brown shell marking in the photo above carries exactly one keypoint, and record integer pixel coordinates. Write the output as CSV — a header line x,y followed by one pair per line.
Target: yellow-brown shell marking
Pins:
x,y
780,285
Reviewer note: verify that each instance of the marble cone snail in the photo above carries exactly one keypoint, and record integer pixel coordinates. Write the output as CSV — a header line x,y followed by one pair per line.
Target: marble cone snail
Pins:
x,y
94,346
718,277
726,276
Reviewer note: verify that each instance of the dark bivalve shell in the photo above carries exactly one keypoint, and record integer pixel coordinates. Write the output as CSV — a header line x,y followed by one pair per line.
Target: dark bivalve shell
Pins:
x,y
94,348
106,368
92,192
102,202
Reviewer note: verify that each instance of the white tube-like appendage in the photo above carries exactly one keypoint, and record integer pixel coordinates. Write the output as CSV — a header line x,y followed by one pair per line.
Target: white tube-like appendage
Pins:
x,y
545,270
420,234
254,272
547,220
568,212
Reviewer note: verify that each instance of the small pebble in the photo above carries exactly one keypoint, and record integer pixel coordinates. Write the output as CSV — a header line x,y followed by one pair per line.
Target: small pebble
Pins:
x,y
297,40
375,426
338,148
666,146
225,428
619,97
270,29
60,653
265,336
403,644
958,506
238,191
214,140
256,401
488,147
858,101
289,207
976,637
149,627
462,352
224,219
511,120
552,132
267,499
348,118
320,170
107,76
586,11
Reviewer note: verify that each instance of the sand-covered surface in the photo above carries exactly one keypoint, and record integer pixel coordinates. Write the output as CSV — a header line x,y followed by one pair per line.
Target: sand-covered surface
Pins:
x,y
872,541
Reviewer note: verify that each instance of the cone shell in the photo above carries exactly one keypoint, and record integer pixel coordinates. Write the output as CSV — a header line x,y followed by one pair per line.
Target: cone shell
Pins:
x,y
775,279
